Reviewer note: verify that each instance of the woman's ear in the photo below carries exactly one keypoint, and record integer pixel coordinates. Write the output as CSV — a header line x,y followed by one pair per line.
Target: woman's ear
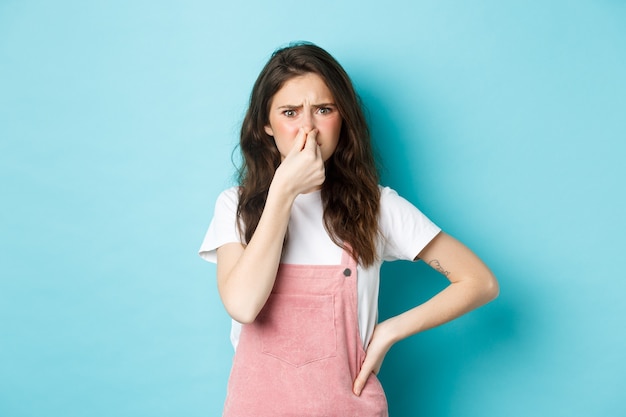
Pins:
x,y
268,130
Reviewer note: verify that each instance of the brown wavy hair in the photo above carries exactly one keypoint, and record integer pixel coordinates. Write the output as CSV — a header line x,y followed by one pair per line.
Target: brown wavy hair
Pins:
x,y
350,193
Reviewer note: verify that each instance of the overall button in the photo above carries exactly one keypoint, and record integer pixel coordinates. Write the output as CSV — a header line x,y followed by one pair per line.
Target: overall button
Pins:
x,y
347,272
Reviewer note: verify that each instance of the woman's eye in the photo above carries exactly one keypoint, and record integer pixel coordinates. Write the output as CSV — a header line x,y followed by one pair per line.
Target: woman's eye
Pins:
x,y
289,113
325,110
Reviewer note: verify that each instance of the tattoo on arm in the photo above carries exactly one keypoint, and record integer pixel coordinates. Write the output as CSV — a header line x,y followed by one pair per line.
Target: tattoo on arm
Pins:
x,y
437,266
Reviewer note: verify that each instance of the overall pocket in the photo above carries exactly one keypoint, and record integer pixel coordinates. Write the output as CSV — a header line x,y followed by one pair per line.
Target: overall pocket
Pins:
x,y
298,329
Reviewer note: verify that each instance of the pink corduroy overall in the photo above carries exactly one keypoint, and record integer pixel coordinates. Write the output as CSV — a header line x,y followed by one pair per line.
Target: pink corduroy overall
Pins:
x,y
300,357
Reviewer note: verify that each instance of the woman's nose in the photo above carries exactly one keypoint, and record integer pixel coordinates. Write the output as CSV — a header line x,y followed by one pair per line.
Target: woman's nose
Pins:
x,y
308,123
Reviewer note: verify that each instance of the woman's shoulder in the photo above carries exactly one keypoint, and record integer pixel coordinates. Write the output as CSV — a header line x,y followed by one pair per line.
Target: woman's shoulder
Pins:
x,y
394,206
385,190
405,230
388,194
227,200
230,194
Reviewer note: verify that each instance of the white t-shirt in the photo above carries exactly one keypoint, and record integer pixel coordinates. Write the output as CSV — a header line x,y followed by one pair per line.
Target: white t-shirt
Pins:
x,y
404,232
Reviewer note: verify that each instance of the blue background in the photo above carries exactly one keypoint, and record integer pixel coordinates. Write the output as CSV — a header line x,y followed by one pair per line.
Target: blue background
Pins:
x,y
505,122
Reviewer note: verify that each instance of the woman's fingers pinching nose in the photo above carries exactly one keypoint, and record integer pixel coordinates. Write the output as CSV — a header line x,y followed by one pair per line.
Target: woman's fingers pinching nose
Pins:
x,y
299,142
311,140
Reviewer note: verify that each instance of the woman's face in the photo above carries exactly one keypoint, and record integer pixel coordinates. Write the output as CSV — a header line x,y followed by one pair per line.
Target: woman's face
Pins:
x,y
304,102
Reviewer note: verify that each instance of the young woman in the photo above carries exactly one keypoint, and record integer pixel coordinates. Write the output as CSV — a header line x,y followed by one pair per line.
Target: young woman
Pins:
x,y
299,244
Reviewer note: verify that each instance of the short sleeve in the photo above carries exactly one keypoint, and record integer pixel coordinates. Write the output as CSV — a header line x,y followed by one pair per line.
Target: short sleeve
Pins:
x,y
405,230
223,226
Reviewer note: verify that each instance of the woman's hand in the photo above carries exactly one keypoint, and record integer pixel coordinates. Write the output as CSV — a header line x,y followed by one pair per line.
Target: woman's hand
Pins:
x,y
302,170
380,344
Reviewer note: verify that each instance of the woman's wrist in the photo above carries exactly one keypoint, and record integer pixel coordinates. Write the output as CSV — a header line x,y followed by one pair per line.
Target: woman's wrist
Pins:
x,y
280,198
281,190
390,331
401,326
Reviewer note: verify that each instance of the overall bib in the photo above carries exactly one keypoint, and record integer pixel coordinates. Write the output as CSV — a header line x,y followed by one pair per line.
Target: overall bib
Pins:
x,y
300,357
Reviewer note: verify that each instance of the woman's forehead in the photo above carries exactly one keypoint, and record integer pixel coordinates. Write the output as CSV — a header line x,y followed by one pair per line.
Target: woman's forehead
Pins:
x,y
309,88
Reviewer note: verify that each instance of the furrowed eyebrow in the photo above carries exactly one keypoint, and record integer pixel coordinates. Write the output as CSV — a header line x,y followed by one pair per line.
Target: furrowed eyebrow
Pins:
x,y
289,106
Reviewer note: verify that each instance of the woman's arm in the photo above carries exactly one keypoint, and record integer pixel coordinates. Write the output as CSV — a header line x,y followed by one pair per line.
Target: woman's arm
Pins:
x,y
246,274
471,285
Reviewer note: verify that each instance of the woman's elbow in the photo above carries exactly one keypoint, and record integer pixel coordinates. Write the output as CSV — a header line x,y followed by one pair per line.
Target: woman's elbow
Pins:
x,y
244,314
243,319
490,288
239,305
